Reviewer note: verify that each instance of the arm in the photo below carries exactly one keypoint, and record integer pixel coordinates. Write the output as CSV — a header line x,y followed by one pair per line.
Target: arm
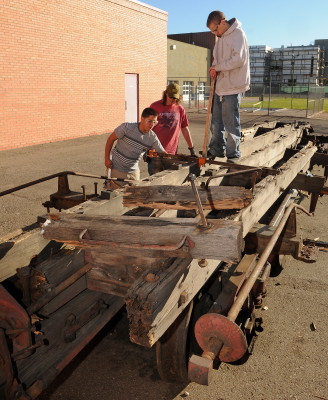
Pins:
x,y
109,145
212,71
186,134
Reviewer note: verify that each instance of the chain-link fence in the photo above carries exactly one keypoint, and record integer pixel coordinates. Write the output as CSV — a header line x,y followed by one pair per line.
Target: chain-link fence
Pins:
x,y
306,99
303,101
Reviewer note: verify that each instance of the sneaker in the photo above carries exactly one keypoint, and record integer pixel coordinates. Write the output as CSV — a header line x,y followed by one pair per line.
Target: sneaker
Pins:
x,y
233,160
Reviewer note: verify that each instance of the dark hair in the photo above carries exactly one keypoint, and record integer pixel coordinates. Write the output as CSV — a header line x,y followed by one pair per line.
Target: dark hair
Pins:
x,y
178,101
215,16
149,111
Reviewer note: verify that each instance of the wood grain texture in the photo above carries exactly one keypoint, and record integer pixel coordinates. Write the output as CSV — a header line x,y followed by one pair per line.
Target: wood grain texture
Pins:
x,y
183,198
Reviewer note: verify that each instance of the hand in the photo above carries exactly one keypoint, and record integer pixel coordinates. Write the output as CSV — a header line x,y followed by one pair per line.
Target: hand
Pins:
x,y
192,151
212,72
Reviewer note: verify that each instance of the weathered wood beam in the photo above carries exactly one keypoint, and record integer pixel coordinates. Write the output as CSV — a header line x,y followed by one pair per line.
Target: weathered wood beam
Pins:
x,y
153,306
267,155
115,274
269,189
317,159
260,142
258,238
183,197
302,181
167,237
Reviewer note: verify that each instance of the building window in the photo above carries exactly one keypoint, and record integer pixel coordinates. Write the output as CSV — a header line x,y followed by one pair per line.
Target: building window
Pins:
x,y
187,90
201,90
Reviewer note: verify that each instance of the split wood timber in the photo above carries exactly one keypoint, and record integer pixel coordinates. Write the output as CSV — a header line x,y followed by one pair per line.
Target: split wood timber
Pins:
x,y
259,236
153,307
16,251
148,237
270,188
183,197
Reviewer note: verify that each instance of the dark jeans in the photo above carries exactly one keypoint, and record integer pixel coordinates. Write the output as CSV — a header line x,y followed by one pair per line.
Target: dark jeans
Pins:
x,y
226,118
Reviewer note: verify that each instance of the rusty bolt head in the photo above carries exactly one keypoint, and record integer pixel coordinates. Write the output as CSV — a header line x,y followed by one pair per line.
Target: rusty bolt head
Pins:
x,y
183,297
202,263
152,277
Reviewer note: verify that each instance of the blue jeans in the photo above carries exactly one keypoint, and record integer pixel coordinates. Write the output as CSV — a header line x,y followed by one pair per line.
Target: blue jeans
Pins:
x,y
226,118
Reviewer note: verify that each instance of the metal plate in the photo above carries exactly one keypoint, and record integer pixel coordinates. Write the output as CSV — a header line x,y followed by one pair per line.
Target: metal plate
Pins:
x,y
214,332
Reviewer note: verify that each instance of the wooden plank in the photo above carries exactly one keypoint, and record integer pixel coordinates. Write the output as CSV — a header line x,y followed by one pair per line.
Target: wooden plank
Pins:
x,y
231,287
58,353
267,191
258,238
153,306
181,237
19,251
183,197
114,274
317,159
271,153
64,297
260,142
115,287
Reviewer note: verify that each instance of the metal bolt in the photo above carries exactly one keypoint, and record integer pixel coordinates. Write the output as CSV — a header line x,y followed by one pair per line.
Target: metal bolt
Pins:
x,y
202,263
183,297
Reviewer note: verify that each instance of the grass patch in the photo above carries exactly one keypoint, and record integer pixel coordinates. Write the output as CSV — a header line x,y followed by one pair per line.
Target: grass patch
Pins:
x,y
285,102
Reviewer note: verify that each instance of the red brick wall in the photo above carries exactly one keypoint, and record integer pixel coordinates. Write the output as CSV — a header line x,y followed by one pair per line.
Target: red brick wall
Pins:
x,y
63,65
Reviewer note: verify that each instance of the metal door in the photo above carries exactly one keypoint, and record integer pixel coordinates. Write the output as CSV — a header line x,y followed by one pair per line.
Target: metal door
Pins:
x,y
131,97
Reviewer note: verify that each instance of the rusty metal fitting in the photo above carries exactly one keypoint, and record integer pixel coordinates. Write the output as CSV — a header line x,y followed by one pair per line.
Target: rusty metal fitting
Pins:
x,y
203,263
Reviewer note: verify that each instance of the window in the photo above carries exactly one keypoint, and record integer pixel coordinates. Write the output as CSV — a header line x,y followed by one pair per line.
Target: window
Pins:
x,y
187,90
201,90
187,87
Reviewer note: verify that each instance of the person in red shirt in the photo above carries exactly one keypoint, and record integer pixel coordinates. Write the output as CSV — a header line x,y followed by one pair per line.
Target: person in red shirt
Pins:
x,y
171,119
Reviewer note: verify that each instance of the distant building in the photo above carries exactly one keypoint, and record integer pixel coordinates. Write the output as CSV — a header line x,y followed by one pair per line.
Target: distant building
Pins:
x,y
202,39
323,43
188,66
293,65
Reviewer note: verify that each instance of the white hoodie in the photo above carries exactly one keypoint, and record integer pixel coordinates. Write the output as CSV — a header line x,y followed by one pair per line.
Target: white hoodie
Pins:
x,y
231,59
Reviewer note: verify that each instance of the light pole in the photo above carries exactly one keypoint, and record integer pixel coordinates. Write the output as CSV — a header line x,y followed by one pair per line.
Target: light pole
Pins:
x,y
292,83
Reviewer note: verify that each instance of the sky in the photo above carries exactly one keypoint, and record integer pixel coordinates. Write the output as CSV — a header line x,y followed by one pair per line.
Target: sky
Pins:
x,y
274,23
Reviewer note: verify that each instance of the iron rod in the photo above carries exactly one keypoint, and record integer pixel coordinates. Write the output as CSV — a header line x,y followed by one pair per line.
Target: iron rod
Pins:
x,y
247,287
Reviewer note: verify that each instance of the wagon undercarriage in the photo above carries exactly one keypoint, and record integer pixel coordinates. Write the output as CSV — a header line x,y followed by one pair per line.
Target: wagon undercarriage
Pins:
x,y
186,251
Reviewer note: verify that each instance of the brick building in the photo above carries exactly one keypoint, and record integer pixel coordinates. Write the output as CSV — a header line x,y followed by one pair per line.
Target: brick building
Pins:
x,y
72,68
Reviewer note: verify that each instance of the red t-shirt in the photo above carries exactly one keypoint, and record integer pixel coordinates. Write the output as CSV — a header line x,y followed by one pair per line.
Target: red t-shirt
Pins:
x,y
170,121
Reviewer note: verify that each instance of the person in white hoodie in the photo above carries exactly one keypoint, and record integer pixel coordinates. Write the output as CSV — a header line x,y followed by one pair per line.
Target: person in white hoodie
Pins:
x,y
230,67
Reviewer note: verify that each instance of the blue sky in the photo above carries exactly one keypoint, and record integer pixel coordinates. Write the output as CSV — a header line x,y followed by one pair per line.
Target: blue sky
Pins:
x,y
273,23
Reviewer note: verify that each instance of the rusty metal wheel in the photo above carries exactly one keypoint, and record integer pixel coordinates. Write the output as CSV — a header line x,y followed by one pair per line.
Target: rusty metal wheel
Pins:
x,y
173,348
